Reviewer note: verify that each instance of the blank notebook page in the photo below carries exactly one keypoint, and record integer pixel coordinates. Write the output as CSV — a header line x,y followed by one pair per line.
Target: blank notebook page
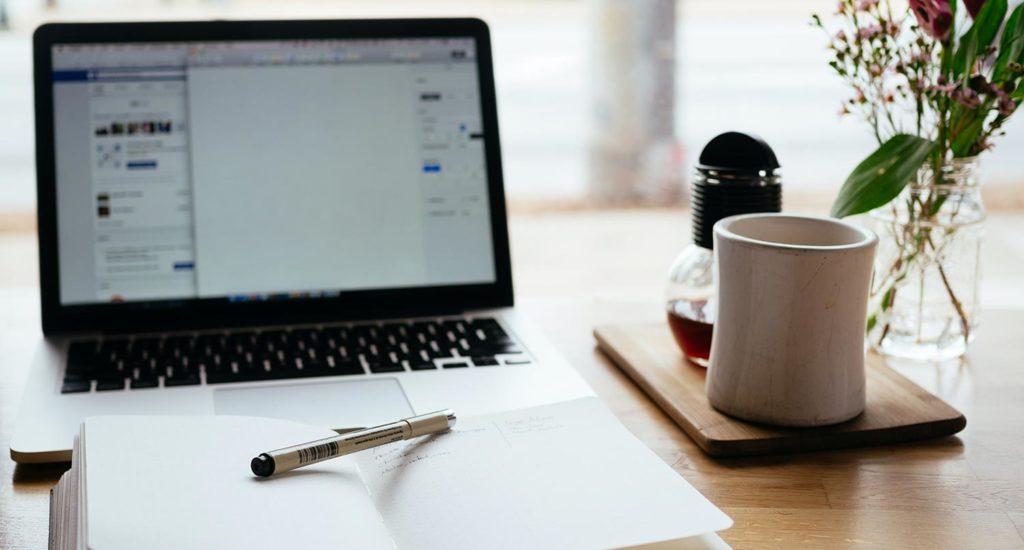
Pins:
x,y
184,482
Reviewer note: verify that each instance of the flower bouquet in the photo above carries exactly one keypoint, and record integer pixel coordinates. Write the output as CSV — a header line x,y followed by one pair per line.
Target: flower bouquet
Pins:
x,y
935,81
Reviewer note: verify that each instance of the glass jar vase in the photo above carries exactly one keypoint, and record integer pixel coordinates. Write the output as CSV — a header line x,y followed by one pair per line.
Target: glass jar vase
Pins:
x,y
924,297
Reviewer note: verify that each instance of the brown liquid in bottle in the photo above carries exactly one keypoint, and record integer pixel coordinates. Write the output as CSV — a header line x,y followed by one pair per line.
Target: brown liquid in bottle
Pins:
x,y
692,326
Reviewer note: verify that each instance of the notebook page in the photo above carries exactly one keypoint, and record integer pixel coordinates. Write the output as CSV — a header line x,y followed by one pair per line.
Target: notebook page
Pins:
x,y
567,475
184,482
62,509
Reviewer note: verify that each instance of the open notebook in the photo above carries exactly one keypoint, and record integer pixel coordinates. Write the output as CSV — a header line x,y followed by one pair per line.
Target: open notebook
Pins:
x,y
566,475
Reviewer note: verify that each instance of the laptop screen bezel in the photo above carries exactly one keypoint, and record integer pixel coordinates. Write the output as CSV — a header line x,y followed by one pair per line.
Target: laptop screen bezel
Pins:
x,y
201,313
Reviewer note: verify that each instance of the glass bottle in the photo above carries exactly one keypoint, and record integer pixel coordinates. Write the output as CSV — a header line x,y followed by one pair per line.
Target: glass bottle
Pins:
x,y
924,301
737,174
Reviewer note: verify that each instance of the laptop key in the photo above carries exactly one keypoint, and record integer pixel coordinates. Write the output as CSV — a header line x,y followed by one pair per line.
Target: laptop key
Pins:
x,y
110,384
85,369
378,367
114,348
382,369
189,379
78,376
76,386
313,369
147,347
223,376
485,361
111,373
209,344
278,373
141,383
344,367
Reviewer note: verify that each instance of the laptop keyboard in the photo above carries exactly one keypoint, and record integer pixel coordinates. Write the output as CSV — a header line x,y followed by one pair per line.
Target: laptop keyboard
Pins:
x,y
245,355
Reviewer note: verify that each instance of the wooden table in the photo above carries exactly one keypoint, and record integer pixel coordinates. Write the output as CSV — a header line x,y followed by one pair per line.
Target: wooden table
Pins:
x,y
580,269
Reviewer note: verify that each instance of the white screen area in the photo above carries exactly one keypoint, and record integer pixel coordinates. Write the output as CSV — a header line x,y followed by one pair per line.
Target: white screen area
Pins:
x,y
258,170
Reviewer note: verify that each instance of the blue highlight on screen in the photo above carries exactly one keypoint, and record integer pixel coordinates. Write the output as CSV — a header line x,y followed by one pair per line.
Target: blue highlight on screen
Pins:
x,y
119,74
70,76
431,168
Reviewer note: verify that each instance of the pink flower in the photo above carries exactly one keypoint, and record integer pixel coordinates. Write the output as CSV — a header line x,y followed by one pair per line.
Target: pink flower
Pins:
x,y
869,32
934,16
1005,104
974,6
967,97
942,86
865,5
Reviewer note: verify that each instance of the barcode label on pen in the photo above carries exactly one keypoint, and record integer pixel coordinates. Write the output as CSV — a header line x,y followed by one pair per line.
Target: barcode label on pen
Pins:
x,y
319,452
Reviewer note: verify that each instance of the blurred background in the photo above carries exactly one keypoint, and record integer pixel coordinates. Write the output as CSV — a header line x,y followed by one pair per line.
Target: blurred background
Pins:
x,y
601,102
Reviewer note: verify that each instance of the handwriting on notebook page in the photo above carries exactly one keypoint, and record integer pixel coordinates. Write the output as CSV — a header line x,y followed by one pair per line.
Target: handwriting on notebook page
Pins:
x,y
529,424
494,435
526,479
391,458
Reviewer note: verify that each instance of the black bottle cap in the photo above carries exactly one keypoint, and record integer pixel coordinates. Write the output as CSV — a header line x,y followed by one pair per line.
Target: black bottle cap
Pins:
x,y
736,174
735,151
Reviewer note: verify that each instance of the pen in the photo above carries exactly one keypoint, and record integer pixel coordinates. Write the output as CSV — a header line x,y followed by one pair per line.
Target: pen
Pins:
x,y
297,456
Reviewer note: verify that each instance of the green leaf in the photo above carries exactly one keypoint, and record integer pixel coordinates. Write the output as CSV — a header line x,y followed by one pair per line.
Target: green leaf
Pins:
x,y
964,141
979,36
1011,45
887,297
937,205
879,178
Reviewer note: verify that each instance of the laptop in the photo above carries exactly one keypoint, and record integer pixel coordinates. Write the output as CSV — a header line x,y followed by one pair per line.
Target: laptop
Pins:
x,y
291,219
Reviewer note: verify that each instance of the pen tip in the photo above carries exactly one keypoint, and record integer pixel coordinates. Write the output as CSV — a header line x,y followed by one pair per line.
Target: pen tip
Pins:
x,y
262,465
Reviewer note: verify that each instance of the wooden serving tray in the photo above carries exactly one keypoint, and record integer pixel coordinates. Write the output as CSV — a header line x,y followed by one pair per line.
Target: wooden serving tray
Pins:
x,y
897,409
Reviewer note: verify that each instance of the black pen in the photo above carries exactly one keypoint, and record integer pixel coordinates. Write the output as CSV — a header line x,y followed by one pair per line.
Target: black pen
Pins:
x,y
297,456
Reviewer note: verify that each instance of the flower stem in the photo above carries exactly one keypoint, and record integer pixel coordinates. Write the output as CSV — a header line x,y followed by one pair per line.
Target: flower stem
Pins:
x,y
965,325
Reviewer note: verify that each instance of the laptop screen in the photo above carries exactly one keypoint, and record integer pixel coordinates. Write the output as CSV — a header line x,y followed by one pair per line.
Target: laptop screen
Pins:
x,y
261,170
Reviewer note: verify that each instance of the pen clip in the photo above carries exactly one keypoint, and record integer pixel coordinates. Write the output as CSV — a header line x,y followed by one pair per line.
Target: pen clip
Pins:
x,y
343,431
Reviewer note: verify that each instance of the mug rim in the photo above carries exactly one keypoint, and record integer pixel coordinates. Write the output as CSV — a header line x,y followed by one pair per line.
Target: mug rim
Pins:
x,y
868,238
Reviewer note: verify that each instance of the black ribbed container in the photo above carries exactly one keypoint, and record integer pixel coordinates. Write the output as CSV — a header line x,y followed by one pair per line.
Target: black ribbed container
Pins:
x,y
737,174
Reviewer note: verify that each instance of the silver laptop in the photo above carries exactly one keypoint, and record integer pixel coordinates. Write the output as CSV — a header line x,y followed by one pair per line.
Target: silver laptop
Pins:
x,y
299,219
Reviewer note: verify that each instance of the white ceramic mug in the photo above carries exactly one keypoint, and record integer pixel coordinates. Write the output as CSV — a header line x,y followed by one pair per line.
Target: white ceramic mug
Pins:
x,y
788,345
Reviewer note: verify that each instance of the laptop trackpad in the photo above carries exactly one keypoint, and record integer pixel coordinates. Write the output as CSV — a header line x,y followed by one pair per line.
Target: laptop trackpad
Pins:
x,y
357,403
